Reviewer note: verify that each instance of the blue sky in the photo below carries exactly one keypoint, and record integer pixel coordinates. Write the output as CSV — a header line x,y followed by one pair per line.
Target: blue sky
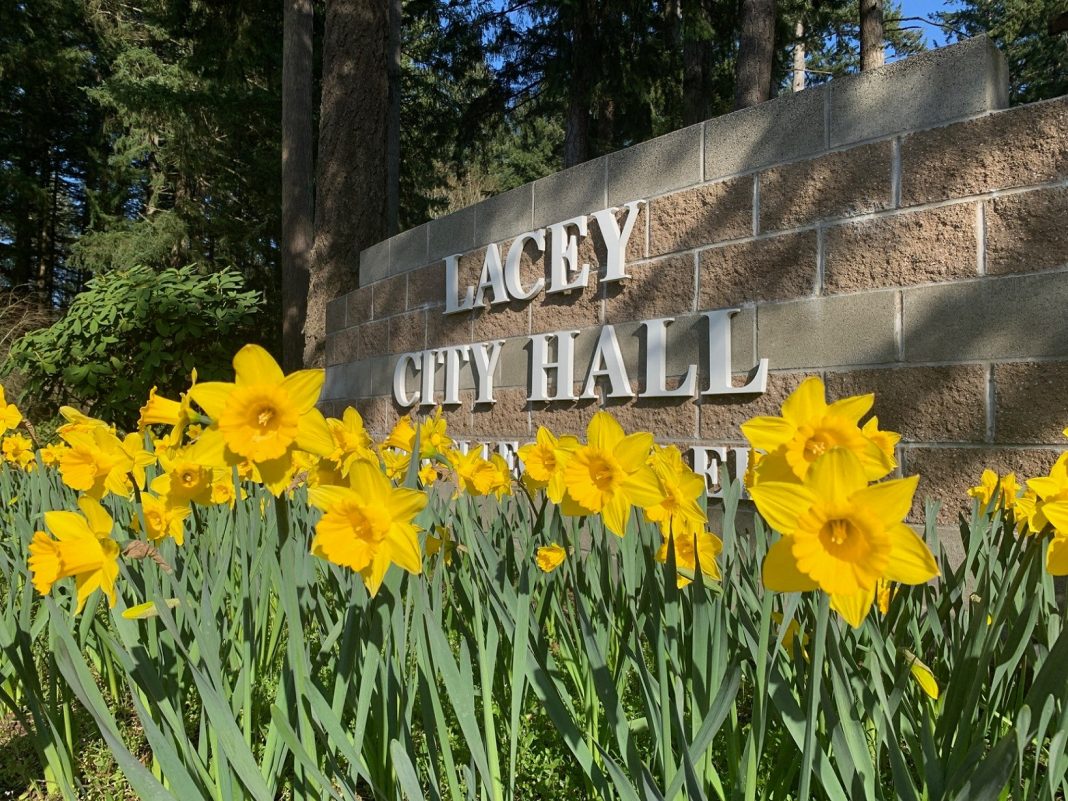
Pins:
x,y
933,36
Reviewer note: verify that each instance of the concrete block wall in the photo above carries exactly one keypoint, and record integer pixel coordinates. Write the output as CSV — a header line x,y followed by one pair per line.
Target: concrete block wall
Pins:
x,y
897,232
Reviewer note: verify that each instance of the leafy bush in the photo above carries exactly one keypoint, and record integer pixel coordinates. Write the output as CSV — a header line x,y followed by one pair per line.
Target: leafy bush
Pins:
x,y
133,329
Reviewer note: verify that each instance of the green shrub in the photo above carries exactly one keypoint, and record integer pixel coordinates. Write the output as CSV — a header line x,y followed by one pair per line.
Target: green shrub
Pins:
x,y
131,330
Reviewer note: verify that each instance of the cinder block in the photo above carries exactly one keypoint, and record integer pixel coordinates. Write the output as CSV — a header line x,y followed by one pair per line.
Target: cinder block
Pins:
x,y
1030,403
1016,317
722,415
701,216
922,91
841,184
829,331
358,306
660,165
407,332
660,288
1027,232
923,404
505,215
451,329
790,127
389,296
426,285
450,234
513,369
350,380
1023,146
669,419
374,263
687,343
380,369
335,315
946,474
373,338
343,346
771,268
506,418
570,193
902,249
409,250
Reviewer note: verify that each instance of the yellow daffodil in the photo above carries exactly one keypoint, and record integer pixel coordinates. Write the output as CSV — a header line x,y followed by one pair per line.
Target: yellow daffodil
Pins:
x,y
402,437
688,547
679,511
368,526
50,454
351,439
886,440
148,609
474,474
610,474
789,637
990,485
1041,492
1057,551
79,422
428,474
178,414
840,535
82,547
441,541
500,479
884,594
550,557
188,476
10,416
808,428
395,464
265,415
752,461
544,460
95,462
162,519
18,452
433,439
922,674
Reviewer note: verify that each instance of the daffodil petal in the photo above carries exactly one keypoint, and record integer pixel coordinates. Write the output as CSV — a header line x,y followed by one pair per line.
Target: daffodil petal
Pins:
x,y
1057,557
890,500
633,451
254,365
768,433
211,396
807,402
100,522
604,431
780,571
67,525
911,561
313,434
781,504
404,548
304,387
325,496
616,514
1057,514
836,475
853,606
852,409
642,488
925,678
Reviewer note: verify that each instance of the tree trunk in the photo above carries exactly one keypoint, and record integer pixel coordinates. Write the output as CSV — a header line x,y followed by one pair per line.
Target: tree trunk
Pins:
x,y
577,123
694,101
297,191
350,197
798,82
756,49
872,37
396,13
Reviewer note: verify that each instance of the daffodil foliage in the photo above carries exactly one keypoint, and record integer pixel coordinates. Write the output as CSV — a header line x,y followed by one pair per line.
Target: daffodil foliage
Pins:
x,y
252,600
